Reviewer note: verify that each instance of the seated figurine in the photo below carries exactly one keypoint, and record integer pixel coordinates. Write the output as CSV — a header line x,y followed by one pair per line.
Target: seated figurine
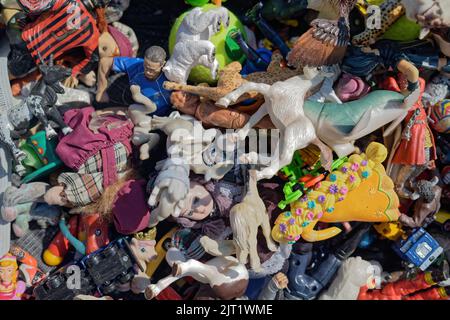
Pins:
x,y
146,80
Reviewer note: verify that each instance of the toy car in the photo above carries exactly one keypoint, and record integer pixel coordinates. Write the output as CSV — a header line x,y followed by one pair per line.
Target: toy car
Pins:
x,y
110,266
101,271
56,287
420,248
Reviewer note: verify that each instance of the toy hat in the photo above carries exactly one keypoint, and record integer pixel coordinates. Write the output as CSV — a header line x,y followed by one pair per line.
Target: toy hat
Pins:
x,y
130,210
351,87
124,44
41,158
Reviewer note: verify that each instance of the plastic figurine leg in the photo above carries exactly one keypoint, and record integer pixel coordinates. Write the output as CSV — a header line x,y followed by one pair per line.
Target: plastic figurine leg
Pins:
x,y
255,16
406,287
438,293
266,232
218,248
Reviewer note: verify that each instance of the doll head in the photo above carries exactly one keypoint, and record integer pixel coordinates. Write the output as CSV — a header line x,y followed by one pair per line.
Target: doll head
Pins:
x,y
198,204
8,269
155,58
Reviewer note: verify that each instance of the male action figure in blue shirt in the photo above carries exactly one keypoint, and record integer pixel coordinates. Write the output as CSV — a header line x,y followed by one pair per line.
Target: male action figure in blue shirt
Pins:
x,y
145,76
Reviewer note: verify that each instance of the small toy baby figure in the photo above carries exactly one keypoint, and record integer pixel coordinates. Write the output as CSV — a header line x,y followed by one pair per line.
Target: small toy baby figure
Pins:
x,y
10,287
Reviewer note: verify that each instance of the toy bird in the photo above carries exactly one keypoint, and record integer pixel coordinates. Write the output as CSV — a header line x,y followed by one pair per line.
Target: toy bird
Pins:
x,y
326,41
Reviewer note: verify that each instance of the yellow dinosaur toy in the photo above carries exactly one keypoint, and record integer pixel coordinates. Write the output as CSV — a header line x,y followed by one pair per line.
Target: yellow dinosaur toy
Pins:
x,y
359,190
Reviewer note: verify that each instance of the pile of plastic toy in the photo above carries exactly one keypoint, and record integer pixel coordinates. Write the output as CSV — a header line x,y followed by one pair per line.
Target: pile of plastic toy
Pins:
x,y
274,150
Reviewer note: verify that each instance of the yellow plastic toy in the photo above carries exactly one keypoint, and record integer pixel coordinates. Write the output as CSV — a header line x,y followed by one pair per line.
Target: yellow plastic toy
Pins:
x,y
390,230
161,251
359,190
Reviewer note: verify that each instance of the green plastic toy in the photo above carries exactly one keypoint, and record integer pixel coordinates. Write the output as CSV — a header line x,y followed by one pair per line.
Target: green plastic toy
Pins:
x,y
41,158
226,49
301,179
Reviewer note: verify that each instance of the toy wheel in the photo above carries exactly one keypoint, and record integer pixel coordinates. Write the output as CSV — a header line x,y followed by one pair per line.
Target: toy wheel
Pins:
x,y
93,261
126,278
55,282
446,226
110,252
109,288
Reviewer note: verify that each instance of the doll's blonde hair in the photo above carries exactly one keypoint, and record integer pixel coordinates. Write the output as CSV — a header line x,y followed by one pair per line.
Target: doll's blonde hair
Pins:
x,y
322,198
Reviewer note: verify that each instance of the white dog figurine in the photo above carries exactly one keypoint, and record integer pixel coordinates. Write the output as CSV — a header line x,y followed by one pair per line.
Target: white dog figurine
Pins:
x,y
192,45
284,102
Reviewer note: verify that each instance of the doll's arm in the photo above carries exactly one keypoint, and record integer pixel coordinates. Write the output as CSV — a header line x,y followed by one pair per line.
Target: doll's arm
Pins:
x,y
104,68
138,97
410,72
276,283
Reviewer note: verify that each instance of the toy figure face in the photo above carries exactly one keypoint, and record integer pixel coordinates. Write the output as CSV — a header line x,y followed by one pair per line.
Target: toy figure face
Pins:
x,y
198,204
6,274
152,70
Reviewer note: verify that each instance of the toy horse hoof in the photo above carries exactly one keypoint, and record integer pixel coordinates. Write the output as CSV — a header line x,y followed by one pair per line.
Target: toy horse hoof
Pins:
x,y
176,269
67,130
150,292
20,156
223,102
20,170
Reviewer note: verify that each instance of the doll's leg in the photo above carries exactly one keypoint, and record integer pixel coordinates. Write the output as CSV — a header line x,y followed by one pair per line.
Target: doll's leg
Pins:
x,y
27,193
402,179
10,213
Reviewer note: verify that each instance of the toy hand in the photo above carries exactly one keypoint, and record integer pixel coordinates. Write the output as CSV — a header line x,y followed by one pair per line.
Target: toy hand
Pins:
x,y
281,281
71,82
176,192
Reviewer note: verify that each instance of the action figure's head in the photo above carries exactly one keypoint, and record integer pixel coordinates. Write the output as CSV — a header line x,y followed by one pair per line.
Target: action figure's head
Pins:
x,y
155,58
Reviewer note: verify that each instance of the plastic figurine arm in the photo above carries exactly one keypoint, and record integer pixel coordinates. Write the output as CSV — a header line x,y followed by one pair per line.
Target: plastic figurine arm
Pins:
x,y
104,68
138,97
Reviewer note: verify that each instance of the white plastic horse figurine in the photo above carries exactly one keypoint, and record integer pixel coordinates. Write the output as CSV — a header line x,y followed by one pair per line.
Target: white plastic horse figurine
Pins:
x,y
284,102
193,46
